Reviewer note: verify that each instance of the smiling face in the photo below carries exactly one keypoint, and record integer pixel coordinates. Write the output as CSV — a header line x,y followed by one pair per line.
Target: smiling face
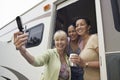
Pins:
x,y
72,33
60,38
82,28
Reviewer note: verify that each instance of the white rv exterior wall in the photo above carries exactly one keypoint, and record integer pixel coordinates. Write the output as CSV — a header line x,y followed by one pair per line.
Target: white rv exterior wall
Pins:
x,y
10,57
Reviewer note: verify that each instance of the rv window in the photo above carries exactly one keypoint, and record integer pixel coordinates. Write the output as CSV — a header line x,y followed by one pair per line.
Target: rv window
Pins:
x,y
116,13
35,35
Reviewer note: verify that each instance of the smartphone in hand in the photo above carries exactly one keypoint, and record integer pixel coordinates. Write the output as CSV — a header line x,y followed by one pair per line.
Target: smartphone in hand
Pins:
x,y
20,26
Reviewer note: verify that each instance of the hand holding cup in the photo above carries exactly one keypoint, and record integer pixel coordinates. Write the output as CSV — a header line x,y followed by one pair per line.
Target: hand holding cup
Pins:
x,y
72,58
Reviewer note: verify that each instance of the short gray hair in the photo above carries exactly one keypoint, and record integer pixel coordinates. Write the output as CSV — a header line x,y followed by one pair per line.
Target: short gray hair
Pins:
x,y
60,33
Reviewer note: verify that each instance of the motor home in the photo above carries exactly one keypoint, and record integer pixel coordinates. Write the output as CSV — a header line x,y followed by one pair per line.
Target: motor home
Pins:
x,y
45,18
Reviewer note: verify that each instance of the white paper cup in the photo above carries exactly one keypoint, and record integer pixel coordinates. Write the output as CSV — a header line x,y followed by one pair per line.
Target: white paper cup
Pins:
x,y
71,63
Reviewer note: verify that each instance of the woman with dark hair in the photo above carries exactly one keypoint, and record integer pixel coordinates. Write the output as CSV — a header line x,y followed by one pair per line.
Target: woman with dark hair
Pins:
x,y
89,56
76,71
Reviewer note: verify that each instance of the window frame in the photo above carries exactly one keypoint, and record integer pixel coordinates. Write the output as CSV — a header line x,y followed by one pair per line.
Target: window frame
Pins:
x,y
29,43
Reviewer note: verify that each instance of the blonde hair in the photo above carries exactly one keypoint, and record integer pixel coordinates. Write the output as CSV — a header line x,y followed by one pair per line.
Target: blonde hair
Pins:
x,y
60,33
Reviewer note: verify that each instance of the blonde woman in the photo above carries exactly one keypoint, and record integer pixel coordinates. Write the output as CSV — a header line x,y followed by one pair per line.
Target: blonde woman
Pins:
x,y
55,60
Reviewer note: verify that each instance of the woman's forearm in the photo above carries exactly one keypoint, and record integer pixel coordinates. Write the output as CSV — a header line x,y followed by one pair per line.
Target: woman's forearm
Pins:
x,y
27,55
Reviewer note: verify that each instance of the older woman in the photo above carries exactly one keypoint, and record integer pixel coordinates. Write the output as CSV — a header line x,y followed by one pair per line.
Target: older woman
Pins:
x,y
55,60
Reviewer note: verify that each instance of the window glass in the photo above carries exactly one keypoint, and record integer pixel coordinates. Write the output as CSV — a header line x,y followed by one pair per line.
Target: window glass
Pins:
x,y
35,35
116,13
118,1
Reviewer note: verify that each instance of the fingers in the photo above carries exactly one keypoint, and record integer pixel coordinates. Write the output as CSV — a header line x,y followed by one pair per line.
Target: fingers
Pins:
x,y
16,34
20,39
75,59
20,42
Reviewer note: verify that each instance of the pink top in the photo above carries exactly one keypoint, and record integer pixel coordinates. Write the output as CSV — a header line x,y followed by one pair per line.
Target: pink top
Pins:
x,y
64,72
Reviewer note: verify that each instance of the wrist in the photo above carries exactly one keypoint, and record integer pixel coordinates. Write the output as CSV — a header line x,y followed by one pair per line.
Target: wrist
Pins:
x,y
22,50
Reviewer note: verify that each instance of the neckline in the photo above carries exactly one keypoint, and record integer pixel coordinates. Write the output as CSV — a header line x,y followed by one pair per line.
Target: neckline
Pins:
x,y
81,44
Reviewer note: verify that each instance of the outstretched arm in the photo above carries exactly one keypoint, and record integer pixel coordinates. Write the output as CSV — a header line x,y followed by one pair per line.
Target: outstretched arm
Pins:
x,y
19,41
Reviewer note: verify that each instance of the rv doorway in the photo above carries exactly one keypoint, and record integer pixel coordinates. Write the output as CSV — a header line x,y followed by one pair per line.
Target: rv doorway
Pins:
x,y
68,14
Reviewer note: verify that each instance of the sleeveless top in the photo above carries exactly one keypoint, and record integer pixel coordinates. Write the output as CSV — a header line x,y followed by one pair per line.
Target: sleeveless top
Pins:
x,y
89,54
76,69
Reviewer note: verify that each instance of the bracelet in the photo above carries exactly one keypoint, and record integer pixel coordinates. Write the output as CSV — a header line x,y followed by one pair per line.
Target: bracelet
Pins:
x,y
86,64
